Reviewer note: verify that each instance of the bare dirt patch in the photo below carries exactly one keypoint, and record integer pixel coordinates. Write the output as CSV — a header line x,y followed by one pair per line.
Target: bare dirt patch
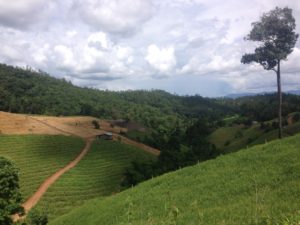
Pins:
x,y
81,126
12,123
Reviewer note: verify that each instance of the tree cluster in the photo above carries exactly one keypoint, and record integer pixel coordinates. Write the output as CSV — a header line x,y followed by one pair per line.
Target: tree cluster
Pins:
x,y
181,150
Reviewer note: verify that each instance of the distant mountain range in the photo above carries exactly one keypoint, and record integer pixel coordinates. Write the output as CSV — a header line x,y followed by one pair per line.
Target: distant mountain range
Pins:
x,y
238,95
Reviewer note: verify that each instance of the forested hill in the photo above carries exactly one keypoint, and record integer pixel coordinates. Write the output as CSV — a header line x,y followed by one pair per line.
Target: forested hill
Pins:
x,y
25,91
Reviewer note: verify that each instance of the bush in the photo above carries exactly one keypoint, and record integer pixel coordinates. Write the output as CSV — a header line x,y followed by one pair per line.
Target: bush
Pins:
x,y
275,125
251,139
262,126
96,124
228,142
238,134
296,117
37,217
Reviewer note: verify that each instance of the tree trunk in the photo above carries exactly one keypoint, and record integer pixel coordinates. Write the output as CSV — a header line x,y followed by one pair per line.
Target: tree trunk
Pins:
x,y
279,101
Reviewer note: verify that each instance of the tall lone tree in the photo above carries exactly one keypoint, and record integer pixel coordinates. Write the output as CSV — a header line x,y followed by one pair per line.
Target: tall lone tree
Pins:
x,y
276,34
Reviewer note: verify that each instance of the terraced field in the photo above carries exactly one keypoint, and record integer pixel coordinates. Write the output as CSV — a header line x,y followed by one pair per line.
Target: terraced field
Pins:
x,y
98,174
38,156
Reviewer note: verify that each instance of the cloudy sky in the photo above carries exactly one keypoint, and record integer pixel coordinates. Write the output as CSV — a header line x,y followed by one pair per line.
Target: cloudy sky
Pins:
x,y
182,46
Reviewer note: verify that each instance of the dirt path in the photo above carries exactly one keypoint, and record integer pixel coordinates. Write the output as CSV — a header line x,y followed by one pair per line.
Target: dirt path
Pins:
x,y
33,200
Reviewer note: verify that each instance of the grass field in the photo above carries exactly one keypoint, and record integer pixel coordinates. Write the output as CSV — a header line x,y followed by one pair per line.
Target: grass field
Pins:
x,y
99,173
236,137
38,156
260,185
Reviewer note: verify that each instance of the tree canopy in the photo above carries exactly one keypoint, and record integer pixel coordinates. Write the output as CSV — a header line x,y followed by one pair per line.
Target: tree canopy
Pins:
x,y
276,33
10,196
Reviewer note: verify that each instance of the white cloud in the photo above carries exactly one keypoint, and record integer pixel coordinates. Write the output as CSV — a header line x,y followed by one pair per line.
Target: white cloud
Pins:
x,y
21,14
162,59
99,40
64,56
97,57
133,42
41,54
71,33
114,16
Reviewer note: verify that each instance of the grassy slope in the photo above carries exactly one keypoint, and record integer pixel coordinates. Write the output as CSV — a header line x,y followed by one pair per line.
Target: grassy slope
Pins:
x,y
38,156
239,188
98,174
250,136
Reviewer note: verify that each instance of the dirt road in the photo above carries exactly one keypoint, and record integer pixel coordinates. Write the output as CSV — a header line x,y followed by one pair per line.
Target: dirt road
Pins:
x,y
33,200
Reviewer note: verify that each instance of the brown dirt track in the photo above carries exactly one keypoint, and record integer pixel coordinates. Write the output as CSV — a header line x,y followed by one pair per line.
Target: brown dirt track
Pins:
x,y
81,126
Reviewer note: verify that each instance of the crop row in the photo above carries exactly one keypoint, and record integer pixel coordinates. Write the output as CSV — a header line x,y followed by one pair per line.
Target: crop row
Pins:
x,y
98,174
38,156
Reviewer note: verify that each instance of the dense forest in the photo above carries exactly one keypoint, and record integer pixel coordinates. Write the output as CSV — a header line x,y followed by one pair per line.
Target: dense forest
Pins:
x,y
26,91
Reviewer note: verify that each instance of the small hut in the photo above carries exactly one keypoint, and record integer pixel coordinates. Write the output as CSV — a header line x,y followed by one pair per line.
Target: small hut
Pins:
x,y
105,136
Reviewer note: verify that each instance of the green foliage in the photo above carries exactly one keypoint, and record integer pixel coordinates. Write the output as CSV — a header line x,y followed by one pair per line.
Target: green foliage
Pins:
x,y
174,155
10,196
235,137
37,217
240,188
296,117
238,134
264,107
24,91
275,32
138,171
227,143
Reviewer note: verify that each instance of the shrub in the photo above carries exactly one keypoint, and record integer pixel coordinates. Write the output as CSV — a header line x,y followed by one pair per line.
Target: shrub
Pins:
x,y
296,117
228,142
96,124
238,134
37,217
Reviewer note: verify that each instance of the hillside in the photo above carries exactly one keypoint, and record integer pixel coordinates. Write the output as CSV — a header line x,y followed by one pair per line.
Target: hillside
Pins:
x,y
25,91
80,126
38,156
259,185
51,143
99,173
237,136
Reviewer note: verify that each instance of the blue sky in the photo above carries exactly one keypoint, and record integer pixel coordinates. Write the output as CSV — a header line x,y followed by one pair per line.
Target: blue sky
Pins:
x,y
182,46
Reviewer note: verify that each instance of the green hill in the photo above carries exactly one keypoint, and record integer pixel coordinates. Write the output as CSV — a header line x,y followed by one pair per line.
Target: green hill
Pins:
x,y
38,156
26,91
235,137
99,173
260,185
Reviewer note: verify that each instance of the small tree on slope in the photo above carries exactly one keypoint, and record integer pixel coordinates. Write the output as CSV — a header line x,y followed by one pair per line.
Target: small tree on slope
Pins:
x,y
10,196
276,33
